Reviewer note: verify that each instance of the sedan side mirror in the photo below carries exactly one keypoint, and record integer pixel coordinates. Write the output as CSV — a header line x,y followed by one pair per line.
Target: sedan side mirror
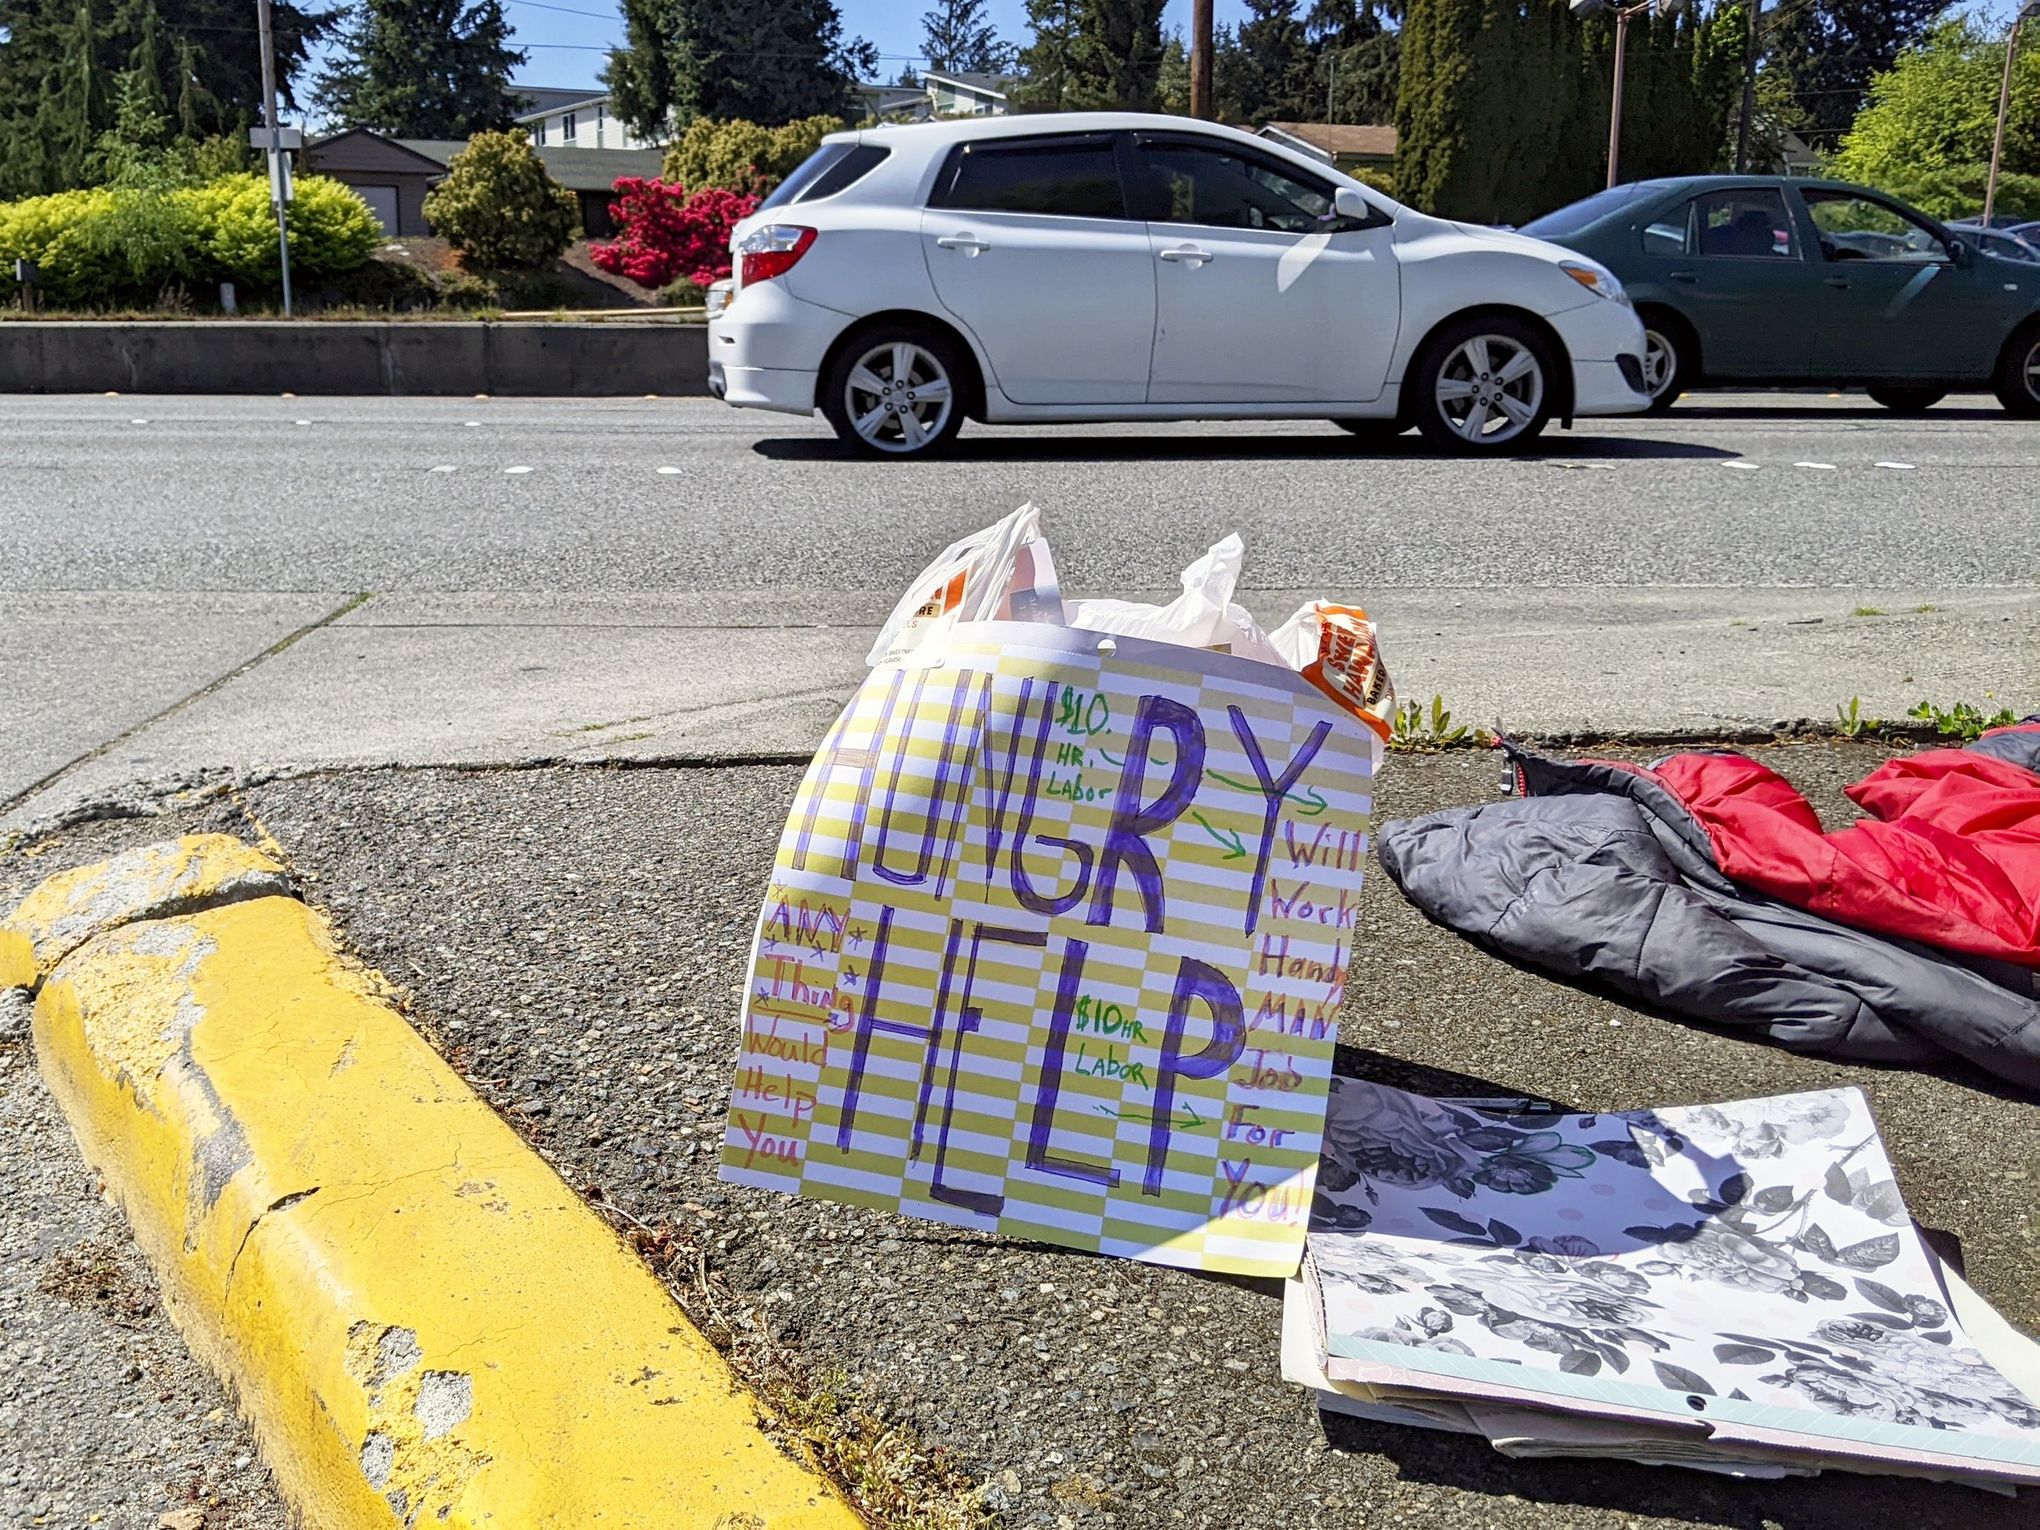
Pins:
x,y
1958,250
1349,204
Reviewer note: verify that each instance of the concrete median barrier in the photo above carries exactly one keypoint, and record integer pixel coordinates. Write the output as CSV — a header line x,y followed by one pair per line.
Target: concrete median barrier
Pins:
x,y
423,1324
421,358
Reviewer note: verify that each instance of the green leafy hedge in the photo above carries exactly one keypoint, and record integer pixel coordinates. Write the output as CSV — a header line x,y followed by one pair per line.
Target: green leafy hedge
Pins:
x,y
107,245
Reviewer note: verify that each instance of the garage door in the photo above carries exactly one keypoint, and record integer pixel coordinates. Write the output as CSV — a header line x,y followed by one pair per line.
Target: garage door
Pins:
x,y
382,201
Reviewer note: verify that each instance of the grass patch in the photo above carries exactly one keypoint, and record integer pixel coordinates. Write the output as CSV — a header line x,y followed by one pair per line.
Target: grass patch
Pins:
x,y
1869,611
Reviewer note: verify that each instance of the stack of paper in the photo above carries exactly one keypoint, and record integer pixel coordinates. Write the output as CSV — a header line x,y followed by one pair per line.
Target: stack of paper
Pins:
x,y
1730,1287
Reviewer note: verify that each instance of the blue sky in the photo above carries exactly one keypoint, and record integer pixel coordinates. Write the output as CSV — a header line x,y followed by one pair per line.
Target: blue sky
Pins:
x,y
567,47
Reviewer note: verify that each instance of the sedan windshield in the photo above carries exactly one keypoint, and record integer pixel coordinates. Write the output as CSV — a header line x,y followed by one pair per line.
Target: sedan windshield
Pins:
x,y
1573,218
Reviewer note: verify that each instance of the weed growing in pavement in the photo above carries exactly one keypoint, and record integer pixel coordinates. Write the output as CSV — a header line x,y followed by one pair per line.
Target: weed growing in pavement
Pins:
x,y
1962,720
1420,732
1869,611
897,1481
1850,721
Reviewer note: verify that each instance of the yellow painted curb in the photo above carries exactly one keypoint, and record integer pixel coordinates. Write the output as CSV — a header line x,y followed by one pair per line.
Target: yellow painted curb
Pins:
x,y
179,876
423,1324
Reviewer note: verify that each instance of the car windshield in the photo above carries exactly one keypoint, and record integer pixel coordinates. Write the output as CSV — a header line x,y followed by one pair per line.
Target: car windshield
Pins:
x,y
1570,220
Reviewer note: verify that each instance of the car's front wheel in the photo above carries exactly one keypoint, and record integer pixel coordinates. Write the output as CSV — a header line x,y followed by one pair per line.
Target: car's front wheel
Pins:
x,y
1484,385
896,392
1907,400
2018,375
1667,364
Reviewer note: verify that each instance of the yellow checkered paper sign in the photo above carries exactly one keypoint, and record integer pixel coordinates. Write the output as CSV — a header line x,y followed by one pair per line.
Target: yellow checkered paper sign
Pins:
x,y
1055,945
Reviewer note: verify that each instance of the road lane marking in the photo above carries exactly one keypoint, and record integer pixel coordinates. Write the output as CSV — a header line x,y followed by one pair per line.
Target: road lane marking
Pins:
x,y
446,467
1902,467
669,471
1745,467
517,470
1818,467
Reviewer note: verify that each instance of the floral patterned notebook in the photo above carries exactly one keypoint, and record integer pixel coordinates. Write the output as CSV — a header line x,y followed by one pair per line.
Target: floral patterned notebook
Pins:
x,y
1746,1272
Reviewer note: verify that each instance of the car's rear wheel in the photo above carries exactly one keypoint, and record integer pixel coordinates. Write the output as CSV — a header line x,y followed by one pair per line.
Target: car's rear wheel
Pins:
x,y
1667,360
896,391
2018,374
1484,385
1907,400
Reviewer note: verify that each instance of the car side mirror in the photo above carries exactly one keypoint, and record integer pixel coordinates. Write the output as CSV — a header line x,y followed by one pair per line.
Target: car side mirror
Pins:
x,y
1958,251
1350,205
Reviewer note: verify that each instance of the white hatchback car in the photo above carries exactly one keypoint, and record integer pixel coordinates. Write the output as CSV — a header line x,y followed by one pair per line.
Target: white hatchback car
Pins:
x,y
1110,266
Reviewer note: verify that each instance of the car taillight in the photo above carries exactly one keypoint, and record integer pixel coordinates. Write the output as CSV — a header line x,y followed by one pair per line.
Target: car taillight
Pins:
x,y
772,251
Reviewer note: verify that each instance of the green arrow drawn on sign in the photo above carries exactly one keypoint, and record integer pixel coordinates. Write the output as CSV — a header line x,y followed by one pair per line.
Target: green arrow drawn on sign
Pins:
x,y
1310,794
1189,1121
1229,841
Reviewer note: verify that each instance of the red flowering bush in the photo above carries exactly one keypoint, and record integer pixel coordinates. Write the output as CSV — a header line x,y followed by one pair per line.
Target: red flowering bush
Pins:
x,y
664,234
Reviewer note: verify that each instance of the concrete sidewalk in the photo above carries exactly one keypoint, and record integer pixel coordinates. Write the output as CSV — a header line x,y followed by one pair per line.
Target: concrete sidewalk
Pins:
x,y
116,689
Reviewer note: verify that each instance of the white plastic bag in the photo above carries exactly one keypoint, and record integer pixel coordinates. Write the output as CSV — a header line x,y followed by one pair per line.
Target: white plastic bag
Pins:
x,y
1203,616
1002,573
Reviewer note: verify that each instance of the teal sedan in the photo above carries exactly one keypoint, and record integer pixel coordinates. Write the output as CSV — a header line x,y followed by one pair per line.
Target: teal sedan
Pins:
x,y
1770,280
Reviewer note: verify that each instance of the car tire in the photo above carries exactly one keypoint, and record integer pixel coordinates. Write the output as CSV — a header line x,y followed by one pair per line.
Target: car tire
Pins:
x,y
1485,385
1668,355
860,387
1372,430
1907,400
2018,374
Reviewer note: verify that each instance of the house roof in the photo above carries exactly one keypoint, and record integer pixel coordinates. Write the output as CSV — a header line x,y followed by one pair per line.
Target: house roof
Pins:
x,y
1368,140
537,100
575,169
333,149
984,84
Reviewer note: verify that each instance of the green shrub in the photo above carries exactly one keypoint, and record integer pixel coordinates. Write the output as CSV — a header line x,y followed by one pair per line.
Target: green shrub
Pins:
x,y
464,289
741,156
498,207
331,228
1956,191
101,246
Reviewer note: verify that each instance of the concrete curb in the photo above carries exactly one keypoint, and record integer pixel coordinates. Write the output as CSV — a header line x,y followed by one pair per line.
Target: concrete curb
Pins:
x,y
422,1323
447,358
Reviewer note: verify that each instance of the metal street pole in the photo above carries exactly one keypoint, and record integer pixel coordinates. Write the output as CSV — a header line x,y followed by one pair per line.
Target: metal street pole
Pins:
x,y
1200,58
1745,118
276,182
1615,105
1997,142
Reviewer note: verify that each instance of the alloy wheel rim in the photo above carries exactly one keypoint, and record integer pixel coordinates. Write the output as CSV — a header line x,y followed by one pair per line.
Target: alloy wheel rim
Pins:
x,y
2033,371
898,396
1660,361
1489,389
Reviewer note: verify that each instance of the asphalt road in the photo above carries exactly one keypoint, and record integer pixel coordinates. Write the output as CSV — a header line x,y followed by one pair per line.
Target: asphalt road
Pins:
x,y
200,584
271,494
574,939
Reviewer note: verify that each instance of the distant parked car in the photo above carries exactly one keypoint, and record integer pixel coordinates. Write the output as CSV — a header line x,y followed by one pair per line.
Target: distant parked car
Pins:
x,y
2004,243
1118,267
1762,279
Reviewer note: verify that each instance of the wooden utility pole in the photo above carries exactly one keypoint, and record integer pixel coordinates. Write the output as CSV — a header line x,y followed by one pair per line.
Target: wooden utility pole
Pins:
x,y
1746,116
278,182
1200,58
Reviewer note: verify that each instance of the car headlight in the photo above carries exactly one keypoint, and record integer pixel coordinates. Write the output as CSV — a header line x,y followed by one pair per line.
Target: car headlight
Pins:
x,y
1597,279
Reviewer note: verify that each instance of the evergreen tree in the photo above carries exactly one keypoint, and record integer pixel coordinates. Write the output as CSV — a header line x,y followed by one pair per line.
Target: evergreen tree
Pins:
x,y
1828,51
423,69
957,37
1359,57
1048,64
767,61
1275,70
62,64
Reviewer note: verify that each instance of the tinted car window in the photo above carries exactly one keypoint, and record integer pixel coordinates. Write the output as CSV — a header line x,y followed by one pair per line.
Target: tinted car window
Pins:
x,y
1219,188
1859,228
1746,224
1575,216
810,170
1065,177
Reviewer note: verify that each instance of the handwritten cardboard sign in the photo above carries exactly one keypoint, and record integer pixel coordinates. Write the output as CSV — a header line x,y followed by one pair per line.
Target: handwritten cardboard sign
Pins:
x,y
1055,946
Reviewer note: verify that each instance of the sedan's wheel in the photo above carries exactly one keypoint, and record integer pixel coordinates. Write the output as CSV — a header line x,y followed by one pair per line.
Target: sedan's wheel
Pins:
x,y
1907,400
894,394
1484,386
1663,365
2018,379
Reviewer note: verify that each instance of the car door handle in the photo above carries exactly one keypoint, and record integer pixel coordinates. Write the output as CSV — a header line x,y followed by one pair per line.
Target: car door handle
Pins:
x,y
1683,276
1838,281
1188,252
968,242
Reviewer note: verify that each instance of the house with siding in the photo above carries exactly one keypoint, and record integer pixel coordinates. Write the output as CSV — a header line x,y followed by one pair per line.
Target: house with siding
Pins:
x,y
1347,146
